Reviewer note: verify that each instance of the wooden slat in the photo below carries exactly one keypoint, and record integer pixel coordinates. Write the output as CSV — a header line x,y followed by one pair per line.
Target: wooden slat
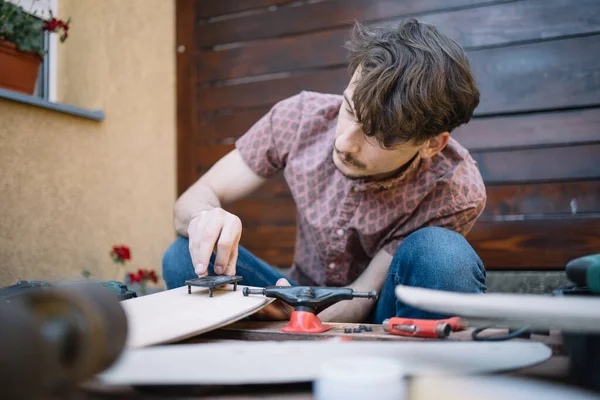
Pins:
x,y
543,129
213,8
271,91
186,96
485,133
534,244
472,28
227,125
543,198
536,165
315,16
312,50
530,77
562,73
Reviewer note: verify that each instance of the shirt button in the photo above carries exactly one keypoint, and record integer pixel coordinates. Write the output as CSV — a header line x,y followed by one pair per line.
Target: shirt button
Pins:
x,y
340,232
331,265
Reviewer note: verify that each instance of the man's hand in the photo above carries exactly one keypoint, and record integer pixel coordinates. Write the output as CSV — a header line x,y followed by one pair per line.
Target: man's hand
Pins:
x,y
277,310
219,231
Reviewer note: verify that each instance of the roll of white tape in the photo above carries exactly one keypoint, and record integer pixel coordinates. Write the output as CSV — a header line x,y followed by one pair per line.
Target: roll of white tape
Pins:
x,y
360,378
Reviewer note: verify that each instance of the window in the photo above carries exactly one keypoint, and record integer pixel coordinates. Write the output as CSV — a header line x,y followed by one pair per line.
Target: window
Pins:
x,y
46,83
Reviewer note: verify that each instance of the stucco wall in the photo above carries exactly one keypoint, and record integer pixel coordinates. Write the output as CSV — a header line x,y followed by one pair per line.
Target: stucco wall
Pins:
x,y
71,188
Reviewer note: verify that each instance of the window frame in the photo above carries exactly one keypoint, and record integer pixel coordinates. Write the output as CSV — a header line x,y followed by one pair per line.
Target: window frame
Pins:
x,y
46,86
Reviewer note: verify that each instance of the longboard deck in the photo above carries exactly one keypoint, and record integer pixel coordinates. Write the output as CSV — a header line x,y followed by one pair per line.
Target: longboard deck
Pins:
x,y
238,363
174,315
564,313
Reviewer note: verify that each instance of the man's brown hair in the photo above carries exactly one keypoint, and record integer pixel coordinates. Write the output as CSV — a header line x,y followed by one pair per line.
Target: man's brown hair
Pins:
x,y
414,82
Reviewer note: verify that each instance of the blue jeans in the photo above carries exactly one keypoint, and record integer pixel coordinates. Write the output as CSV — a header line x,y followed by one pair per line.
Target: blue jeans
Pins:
x,y
432,257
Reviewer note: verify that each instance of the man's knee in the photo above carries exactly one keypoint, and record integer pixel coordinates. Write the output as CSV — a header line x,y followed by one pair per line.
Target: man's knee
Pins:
x,y
439,258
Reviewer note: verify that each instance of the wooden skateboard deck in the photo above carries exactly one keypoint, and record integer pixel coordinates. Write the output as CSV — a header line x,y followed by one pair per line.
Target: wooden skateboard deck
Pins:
x,y
175,314
565,313
237,363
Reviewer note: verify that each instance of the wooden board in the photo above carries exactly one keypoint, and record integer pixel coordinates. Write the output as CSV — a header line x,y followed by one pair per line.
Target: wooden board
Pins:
x,y
174,315
238,363
559,128
551,74
534,165
481,133
206,9
473,28
317,16
535,244
271,330
577,314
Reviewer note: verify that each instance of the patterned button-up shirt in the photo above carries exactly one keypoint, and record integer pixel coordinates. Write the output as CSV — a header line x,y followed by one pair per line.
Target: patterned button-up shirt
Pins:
x,y
342,223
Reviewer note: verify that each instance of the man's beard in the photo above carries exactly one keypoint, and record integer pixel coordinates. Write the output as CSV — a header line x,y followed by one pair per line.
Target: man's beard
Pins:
x,y
355,163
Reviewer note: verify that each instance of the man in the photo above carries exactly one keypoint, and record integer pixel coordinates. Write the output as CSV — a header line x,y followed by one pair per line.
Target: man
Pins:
x,y
384,195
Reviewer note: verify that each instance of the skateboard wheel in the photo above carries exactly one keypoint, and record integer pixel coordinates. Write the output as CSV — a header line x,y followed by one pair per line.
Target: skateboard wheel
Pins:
x,y
84,329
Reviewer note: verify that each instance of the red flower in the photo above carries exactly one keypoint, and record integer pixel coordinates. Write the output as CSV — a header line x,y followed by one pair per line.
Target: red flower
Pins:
x,y
134,278
121,253
153,276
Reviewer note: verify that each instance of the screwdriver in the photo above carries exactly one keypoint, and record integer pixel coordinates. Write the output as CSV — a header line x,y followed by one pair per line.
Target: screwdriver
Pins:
x,y
439,329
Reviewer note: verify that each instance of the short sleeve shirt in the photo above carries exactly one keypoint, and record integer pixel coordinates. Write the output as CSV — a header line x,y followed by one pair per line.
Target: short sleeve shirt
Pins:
x,y
342,223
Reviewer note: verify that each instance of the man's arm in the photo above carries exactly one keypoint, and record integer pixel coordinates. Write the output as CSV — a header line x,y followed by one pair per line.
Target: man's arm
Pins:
x,y
229,180
200,217
372,278
375,274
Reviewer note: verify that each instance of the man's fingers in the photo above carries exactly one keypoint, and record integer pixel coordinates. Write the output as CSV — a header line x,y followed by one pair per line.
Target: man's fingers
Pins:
x,y
228,240
282,282
203,241
230,270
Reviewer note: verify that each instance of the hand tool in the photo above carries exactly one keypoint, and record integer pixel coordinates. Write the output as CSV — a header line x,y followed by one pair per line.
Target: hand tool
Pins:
x,y
213,281
305,300
53,338
585,272
441,328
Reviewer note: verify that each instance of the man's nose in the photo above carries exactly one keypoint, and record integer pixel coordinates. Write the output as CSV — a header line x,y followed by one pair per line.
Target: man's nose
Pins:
x,y
349,141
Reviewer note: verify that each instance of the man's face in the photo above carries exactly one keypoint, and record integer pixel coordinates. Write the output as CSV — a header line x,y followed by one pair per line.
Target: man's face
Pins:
x,y
359,156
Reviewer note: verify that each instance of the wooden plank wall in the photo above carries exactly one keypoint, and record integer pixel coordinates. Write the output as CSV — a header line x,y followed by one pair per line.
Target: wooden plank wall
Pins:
x,y
535,134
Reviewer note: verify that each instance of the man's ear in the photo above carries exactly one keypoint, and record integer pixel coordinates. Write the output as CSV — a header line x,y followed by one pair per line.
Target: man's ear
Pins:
x,y
434,145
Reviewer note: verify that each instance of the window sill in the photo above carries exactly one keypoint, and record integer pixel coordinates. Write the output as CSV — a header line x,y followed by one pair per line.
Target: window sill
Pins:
x,y
96,115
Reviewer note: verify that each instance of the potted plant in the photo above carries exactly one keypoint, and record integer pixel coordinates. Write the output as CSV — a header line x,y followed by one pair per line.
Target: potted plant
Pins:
x,y
22,46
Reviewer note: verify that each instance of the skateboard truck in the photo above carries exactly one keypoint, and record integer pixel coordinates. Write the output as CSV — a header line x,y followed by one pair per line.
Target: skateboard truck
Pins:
x,y
305,300
213,281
